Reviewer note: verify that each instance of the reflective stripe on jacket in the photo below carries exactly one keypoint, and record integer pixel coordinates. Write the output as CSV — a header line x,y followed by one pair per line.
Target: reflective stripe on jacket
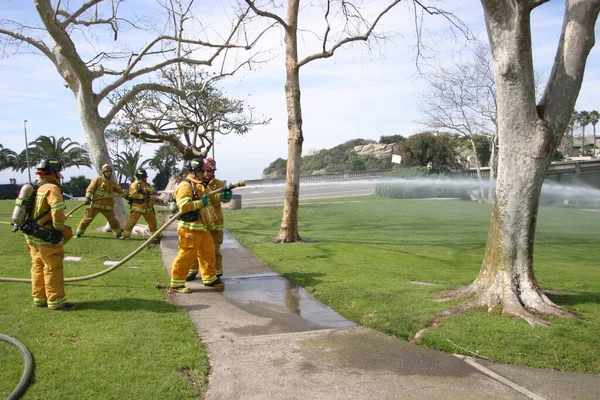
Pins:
x,y
102,187
213,214
48,196
141,192
184,196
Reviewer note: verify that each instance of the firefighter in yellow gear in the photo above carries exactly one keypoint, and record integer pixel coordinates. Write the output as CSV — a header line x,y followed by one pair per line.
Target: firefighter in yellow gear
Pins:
x,y
141,201
196,244
213,215
47,278
101,186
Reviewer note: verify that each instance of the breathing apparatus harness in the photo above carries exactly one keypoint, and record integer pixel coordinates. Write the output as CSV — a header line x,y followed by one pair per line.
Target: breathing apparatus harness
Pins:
x,y
131,200
22,215
190,216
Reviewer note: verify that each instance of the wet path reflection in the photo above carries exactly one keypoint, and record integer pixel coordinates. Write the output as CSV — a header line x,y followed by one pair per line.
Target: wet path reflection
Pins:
x,y
272,296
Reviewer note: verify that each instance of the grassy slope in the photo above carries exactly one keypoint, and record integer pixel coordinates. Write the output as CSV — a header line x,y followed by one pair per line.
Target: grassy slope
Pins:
x,y
125,341
361,256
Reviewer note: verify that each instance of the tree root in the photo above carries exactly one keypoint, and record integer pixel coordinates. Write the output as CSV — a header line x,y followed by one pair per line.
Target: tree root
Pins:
x,y
284,240
531,309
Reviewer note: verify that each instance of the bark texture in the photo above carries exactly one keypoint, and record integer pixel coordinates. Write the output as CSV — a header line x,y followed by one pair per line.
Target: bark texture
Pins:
x,y
528,136
288,231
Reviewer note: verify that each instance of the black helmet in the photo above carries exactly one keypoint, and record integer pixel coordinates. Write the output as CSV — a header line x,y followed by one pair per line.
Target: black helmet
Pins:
x,y
141,173
49,164
195,164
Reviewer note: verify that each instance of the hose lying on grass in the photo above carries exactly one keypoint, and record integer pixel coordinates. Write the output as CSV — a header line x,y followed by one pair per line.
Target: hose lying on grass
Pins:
x,y
136,251
27,372
112,268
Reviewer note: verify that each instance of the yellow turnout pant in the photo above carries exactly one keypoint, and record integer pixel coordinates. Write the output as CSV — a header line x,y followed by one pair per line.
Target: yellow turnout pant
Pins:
x,y
195,248
91,213
218,240
134,216
47,279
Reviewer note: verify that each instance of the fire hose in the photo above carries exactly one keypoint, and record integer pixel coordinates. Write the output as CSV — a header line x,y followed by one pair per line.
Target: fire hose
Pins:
x,y
28,371
136,251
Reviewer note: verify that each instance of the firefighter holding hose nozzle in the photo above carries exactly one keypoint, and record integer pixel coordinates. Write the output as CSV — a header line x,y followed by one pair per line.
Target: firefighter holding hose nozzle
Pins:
x,y
213,215
196,245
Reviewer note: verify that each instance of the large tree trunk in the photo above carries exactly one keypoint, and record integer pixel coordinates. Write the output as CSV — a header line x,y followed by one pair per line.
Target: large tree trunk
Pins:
x,y
94,127
288,231
528,137
80,83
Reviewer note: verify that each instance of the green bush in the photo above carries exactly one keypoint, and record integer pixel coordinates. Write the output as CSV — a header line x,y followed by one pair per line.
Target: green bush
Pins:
x,y
418,183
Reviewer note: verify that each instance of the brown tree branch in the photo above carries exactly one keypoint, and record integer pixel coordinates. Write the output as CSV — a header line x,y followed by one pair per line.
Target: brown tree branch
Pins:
x,y
72,17
267,14
329,53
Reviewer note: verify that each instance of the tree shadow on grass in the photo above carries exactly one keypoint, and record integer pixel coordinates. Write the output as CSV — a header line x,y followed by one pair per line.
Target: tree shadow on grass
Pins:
x,y
304,279
572,298
129,304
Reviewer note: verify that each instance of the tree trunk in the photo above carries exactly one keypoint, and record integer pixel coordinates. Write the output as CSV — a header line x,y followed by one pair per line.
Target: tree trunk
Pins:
x,y
93,127
528,136
478,168
594,148
288,231
493,164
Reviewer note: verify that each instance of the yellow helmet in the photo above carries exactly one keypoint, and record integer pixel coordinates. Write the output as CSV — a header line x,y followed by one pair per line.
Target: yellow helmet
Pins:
x,y
107,167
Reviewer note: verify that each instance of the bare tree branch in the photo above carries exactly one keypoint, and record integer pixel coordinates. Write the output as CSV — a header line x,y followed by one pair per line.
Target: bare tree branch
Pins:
x,y
267,14
76,14
137,89
569,62
127,75
35,43
364,37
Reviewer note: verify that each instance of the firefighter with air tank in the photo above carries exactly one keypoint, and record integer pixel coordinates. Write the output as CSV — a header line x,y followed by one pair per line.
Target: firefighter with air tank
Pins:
x,y
196,245
213,215
39,213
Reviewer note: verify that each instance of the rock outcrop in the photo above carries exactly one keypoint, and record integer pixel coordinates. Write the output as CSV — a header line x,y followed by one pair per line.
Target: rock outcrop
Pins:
x,y
375,149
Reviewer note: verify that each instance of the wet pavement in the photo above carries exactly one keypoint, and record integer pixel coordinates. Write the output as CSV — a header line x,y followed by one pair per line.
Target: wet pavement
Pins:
x,y
269,339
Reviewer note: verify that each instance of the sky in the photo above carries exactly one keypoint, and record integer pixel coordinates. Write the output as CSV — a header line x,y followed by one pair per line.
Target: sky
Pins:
x,y
361,92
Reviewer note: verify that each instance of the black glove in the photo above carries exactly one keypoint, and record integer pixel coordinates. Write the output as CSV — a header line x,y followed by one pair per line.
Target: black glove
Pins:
x,y
88,200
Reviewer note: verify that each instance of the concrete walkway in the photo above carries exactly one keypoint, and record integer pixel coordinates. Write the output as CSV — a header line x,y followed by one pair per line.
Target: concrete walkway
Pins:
x,y
267,339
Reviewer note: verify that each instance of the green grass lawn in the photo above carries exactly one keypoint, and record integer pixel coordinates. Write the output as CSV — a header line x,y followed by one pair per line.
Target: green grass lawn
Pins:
x,y
361,256
125,341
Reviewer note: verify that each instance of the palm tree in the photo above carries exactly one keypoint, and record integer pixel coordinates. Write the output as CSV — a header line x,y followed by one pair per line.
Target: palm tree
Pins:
x,y
584,120
594,118
127,163
68,152
164,161
7,158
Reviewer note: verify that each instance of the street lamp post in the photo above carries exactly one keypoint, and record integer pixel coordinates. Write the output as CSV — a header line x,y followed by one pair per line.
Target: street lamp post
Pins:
x,y
27,150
